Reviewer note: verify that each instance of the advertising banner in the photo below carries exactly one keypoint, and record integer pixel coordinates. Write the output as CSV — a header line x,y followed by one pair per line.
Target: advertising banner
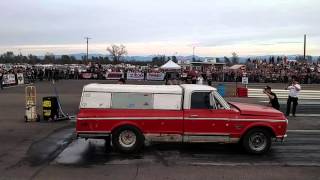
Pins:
x,y
20,78
155,76
114,75
86,75
135,76
9,79
184,75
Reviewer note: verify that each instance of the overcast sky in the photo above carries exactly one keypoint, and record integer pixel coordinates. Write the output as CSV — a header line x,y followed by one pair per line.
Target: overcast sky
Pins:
x,y
147,27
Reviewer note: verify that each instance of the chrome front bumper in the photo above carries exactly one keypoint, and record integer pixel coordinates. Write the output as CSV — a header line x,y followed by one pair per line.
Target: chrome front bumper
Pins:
x,y
281,138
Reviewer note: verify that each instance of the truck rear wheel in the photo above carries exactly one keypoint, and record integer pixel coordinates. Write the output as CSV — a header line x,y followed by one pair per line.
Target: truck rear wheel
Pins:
x,y
257,141
127,139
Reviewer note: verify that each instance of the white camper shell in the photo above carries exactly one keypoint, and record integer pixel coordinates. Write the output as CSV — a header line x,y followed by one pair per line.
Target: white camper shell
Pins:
x,y
122,96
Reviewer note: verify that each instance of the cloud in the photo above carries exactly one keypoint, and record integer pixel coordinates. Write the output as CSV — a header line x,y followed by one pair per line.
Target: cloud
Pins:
x,y
204,23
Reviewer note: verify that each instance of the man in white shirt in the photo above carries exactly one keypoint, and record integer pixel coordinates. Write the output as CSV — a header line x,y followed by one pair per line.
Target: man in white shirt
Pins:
x,y
200,79
294,90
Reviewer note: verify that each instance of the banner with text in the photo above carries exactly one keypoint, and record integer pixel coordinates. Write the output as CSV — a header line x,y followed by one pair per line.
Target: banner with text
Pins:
x,y
114,75
9,79
135,76
86,75
155,76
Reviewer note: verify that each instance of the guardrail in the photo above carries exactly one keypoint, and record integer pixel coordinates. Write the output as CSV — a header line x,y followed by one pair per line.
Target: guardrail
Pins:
x,y
283,94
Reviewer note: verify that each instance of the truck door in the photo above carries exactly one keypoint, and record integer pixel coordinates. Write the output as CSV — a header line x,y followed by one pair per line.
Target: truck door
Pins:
x,y
204,121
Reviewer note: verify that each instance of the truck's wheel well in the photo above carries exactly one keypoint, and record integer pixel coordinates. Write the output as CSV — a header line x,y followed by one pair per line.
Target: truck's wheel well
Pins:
x,y
259,127
125,125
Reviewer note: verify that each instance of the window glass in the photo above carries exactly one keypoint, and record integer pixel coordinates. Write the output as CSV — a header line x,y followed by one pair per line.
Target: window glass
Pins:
x,y
132,101
200,100
220,102
95,100
167,101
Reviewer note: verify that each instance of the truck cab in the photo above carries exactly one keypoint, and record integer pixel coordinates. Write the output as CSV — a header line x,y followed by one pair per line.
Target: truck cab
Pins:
x,y
129,115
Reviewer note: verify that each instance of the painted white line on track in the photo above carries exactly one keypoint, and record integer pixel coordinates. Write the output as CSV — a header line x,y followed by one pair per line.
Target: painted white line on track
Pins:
x,y
308,115
219,164
307,164
17,86
302,103
304,130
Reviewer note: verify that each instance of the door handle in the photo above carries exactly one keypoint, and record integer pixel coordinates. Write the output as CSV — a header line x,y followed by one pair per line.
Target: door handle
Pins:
x,y
194,115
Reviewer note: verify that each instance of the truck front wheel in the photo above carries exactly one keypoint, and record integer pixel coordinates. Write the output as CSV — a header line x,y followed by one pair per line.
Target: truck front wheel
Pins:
x,y
257,141
127,139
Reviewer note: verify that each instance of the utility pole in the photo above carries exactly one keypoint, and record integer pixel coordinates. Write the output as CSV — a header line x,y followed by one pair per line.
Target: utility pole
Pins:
x,y
87,38
193,58
304,47
20,54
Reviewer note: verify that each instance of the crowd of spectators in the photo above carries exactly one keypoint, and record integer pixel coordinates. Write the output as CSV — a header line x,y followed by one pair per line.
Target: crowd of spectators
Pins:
x,y
256,71
261,71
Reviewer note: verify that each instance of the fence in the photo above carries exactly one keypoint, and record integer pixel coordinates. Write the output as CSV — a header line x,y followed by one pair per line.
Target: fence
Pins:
x,y
283,94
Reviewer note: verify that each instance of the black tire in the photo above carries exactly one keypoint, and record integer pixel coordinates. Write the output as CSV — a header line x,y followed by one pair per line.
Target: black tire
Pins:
x,y
127,139
257,141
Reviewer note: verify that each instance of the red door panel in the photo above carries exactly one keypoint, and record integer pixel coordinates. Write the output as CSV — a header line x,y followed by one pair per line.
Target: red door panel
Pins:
x,y
208,121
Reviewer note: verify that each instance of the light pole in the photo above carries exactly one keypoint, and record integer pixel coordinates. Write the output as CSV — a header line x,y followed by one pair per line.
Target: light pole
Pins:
x,y
87,38
20,54
193,49
304,47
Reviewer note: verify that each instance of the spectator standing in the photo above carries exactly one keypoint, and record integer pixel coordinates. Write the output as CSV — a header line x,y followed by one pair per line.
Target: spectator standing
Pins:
x,y
200,79
1,77
209,78
76,73
121,81
294,90
273,99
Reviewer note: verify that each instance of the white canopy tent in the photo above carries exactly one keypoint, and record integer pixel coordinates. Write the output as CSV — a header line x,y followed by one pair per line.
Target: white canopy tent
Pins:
x,y
237,67
170,65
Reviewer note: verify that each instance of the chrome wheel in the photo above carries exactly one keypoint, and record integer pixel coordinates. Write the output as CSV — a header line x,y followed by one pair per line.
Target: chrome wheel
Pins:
x,y
258,141
127,138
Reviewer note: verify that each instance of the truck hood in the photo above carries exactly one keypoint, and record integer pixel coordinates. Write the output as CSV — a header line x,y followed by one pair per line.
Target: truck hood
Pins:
x,y
257,110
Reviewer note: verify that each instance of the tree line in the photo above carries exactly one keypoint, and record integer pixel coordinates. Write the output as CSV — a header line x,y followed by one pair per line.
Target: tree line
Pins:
x,y
117,55
10,57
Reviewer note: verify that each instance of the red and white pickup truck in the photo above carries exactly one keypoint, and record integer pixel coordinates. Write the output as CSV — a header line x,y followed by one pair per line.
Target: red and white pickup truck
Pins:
x,y
129,115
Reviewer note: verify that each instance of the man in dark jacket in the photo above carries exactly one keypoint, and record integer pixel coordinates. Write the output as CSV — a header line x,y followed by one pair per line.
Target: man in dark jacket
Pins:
x,y
273,99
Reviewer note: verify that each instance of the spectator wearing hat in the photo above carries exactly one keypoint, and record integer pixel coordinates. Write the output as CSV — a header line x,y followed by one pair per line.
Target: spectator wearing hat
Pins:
x,y
273,99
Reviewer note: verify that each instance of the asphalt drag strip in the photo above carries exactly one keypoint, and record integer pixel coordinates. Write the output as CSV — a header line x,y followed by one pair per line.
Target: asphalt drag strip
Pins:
x,y
48,148
301,148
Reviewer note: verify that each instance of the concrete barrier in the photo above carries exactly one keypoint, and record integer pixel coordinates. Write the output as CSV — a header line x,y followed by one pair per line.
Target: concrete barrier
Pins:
x,y
283,94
